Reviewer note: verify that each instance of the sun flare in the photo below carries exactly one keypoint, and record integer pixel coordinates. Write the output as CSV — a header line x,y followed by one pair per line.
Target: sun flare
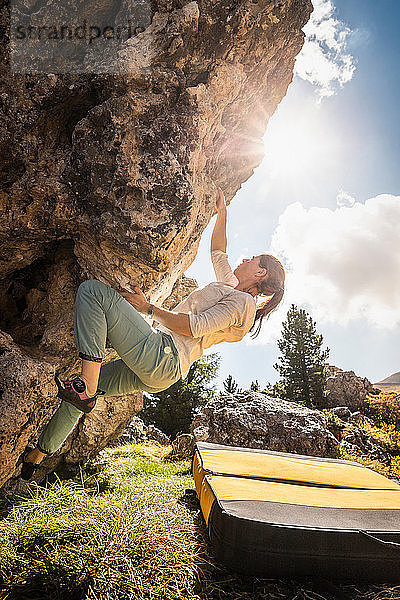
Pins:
x,y
296,146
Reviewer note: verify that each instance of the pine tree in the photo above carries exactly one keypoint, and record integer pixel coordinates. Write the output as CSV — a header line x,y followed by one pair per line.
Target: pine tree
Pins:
x,y
173,409
302,364
255,386
230,385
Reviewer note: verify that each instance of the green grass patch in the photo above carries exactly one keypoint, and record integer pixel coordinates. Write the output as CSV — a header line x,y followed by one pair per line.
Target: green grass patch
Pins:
x,y
116,531
120,531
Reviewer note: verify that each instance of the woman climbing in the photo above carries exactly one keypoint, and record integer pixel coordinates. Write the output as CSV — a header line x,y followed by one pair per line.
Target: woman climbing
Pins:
x,y
152,359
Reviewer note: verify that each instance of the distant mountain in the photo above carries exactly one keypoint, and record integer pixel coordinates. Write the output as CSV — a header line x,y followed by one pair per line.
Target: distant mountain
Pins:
x,y
395,378
390,384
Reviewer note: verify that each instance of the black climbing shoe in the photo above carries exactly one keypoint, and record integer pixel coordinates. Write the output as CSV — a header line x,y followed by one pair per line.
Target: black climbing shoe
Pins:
x,y
28,468
74,392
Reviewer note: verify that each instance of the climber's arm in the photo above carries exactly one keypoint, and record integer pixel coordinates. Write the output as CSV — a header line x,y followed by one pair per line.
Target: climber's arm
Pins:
x,y
218,238
178,322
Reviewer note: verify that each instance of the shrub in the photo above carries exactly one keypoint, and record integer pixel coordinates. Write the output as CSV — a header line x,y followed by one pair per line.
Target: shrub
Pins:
x,y
383,408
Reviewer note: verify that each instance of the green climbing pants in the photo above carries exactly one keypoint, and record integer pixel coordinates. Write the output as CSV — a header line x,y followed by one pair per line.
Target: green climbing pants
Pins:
x,y
149,358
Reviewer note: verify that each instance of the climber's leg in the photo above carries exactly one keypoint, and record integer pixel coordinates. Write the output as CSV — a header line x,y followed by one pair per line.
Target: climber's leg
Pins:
x,y
90,374
112,381
58,428
101,312
149,362
115,379
90,329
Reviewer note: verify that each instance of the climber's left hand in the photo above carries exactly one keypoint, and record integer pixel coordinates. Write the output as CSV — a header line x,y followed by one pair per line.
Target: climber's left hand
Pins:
x,y
137,299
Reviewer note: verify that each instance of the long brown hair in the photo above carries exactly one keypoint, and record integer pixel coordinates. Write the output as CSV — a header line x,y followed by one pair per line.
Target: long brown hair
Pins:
x,y
272,285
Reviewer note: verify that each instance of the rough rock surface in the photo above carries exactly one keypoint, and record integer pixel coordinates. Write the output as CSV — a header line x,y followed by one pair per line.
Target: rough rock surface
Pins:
x,y
254,420
114,175
343,412
182,288
359,442
137,431
183,446
347,389
29,397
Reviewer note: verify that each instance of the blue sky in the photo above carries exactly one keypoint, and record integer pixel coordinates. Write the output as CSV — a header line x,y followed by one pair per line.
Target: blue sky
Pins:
x,y
326,198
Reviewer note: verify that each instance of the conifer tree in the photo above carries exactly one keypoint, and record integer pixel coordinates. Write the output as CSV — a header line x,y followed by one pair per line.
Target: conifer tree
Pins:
x,y
255,386
230,385
302,363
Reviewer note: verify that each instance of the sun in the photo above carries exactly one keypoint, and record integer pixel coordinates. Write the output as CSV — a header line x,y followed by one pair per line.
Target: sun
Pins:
x,y
296,145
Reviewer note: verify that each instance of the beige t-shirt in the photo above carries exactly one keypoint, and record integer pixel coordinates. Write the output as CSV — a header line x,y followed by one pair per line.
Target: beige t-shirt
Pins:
x,y
217,313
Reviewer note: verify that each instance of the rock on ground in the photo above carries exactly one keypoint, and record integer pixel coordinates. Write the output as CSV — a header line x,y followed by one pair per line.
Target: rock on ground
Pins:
x,y
183,446
347,389
349,429
254,420
138,431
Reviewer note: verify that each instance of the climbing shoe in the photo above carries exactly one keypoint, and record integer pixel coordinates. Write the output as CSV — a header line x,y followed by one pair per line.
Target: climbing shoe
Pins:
x,y
28,468
74,392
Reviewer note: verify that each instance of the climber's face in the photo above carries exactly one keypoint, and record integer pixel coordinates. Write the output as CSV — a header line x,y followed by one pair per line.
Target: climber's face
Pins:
x,y
250,272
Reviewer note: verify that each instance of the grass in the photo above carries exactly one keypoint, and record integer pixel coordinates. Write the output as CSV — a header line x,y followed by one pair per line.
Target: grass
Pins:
x,y
102,534
121,530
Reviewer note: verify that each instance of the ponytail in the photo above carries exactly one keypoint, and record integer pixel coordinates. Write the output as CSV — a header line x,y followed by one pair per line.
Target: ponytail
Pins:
x,y
272,285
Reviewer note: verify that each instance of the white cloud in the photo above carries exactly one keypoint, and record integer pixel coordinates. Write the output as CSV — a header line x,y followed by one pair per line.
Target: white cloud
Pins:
x,y
324,60
345,199
344,263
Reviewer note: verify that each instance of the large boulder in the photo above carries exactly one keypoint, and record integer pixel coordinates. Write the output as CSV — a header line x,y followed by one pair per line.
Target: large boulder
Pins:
x,y
345,388
111,173
29,397
254,420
